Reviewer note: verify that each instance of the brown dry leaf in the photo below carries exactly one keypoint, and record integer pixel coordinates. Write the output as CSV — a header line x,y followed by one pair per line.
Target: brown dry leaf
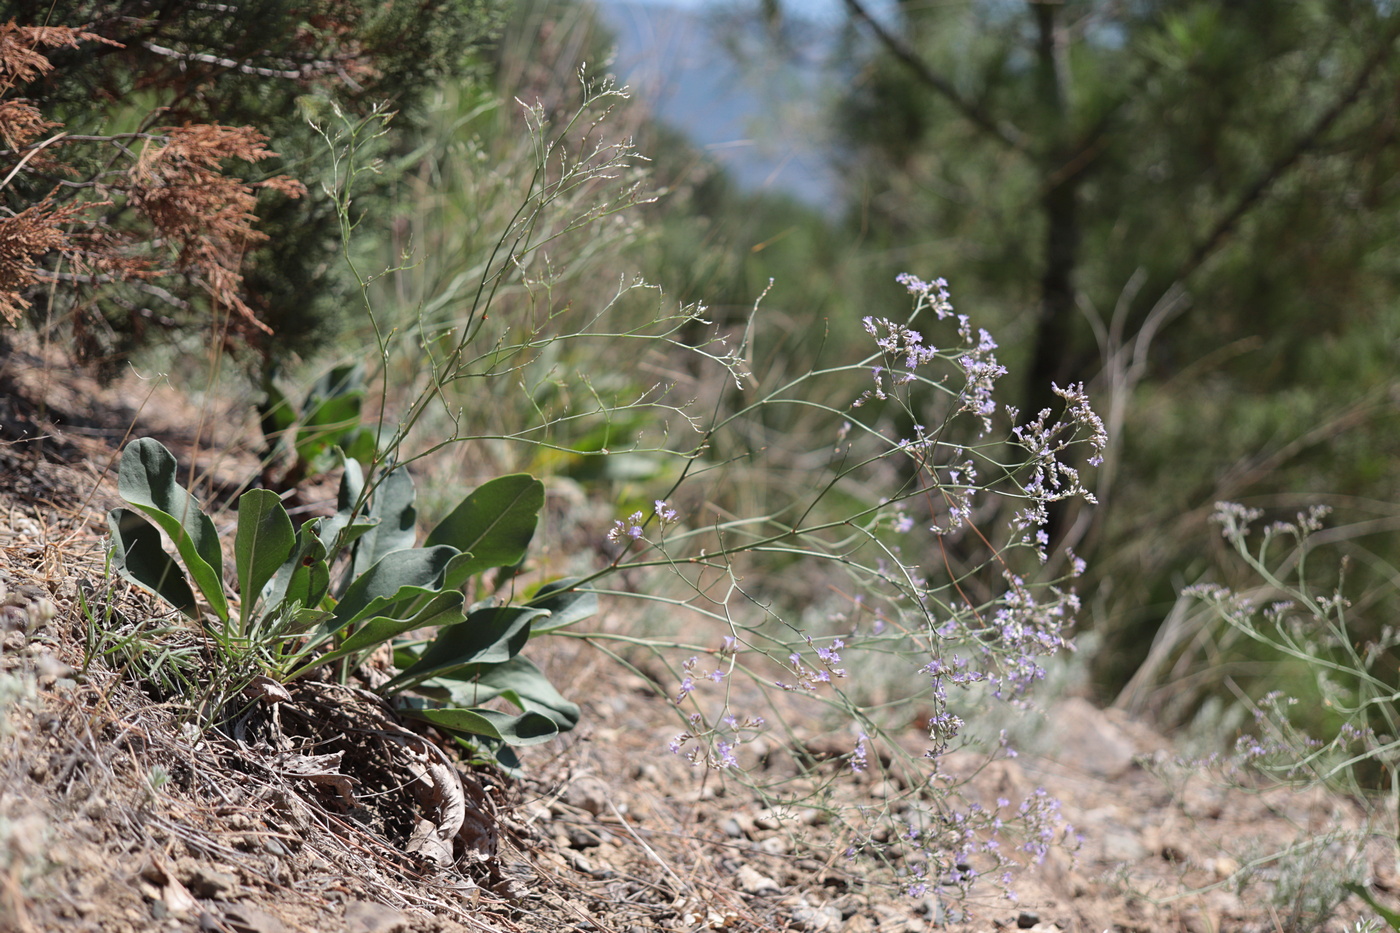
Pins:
x,y
479,832
439,792
20,58
204,216
266,689
23,239
318,769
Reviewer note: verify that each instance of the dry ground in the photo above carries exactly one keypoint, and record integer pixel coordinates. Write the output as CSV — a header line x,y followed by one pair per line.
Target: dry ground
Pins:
x,y
117,813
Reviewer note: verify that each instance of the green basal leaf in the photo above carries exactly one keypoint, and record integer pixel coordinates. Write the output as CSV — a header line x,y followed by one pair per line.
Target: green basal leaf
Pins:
x,y
352,484
397,527
263,544
442,609
1391,917
305,578
360,446
404,601
341,530
335,421
276,415
566,605
488,636
147,480
492,527
138,556
417,567
348,379
518,681
523,729
331,413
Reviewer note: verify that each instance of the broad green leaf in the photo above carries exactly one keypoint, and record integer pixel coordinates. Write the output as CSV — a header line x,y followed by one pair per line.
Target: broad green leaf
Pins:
x,y
275,415
524,729
1391,918
347,379
492,527
520,682
360,445
488,636
331,412
566,605
440,610
138,556
415,567
397,527
404,601
147,480
327,426
341,530
352,483
304,578
263,544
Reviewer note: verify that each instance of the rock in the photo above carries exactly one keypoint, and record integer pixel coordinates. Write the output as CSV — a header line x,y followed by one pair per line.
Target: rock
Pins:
x,y
775,845
243,918
753,882
364,917
588,795
203,880
1081,735
580,838
768,819
817,919
1222,867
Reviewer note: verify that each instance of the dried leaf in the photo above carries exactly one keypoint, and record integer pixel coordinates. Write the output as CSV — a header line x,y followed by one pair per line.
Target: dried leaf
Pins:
x,y
266,689
318,769
439,791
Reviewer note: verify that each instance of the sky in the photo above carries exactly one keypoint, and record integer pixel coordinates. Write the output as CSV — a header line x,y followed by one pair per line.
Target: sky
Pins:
x,y
767,127
819,10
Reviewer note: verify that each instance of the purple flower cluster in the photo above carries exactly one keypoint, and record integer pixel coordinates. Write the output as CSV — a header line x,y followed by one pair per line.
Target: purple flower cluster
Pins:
x,y
1024,630
906,352
689,673
949,851
632,527
720,746
931,295
858,762
1051,478
626,529
809,677
981,371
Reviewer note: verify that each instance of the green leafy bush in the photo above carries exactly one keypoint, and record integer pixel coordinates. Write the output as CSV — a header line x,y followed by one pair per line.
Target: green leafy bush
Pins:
x,y
291,617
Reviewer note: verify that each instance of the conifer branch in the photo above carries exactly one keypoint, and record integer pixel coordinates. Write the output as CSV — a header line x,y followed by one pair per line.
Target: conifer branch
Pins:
x,y
1000,130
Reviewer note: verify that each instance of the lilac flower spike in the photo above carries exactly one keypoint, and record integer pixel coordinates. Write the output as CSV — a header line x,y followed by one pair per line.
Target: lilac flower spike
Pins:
x,y
630,528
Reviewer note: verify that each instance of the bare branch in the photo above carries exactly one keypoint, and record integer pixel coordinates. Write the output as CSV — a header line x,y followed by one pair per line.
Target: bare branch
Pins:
x,y
293,74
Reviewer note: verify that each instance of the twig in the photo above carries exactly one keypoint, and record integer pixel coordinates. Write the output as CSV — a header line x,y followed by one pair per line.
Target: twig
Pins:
x,y
684,886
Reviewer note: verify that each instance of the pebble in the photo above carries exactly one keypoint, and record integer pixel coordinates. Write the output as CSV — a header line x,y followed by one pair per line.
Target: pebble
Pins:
x,y
817,919
753,882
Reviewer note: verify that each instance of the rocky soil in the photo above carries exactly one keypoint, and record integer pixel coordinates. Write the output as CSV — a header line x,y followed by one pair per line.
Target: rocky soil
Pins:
x,y
117,813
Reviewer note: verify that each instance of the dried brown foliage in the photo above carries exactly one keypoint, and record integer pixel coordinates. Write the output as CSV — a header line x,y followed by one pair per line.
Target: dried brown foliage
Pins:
x,y
21,62
203,219
171,209
24,238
